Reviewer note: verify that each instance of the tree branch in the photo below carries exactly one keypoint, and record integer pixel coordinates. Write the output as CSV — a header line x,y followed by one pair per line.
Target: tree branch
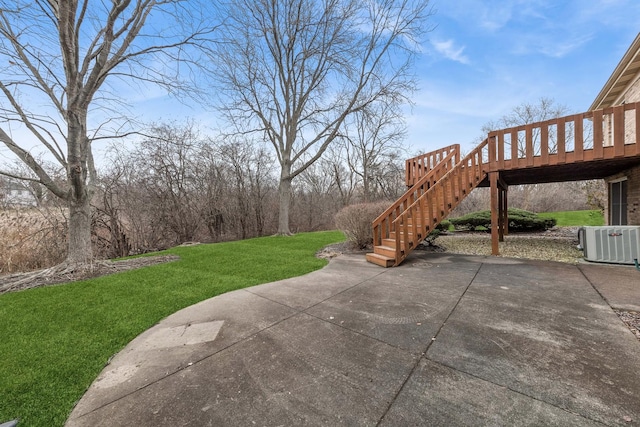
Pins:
x,y
33,164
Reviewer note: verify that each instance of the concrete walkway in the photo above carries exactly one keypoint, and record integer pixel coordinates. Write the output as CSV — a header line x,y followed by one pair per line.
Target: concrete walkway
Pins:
x,y
442,340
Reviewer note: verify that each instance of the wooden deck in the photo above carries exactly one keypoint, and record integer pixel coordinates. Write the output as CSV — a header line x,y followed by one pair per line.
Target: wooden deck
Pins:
x,y
591,145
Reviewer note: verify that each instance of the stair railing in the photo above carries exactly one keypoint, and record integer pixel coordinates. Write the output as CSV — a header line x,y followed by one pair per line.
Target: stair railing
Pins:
x,y
419,166
428,210
383,224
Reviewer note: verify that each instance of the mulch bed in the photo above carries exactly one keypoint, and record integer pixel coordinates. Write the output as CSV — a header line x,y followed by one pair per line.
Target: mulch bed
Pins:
x,y
631,319
54,276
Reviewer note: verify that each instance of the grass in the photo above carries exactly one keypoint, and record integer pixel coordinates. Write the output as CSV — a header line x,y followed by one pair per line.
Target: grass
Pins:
x,y
57,339
575,218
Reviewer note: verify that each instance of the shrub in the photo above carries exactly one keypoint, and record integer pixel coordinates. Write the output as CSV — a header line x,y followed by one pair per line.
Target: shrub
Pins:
x,y
444,225
355,221
519,221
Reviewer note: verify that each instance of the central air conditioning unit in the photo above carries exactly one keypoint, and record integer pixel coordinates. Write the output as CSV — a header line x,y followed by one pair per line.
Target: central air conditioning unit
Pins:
x,y
619,244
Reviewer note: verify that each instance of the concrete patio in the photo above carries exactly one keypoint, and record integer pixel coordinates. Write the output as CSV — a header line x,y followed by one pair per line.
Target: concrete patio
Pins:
x,y
441,340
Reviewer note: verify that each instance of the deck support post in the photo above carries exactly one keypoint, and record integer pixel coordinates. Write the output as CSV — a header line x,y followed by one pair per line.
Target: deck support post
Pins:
x,y
495,213
506,212
503,209
501,214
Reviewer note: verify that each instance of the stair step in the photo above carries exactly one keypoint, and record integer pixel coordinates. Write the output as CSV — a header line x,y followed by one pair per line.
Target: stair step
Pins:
x,y
392,235
410,224
389,242
410,220
419,226
388,251
380,260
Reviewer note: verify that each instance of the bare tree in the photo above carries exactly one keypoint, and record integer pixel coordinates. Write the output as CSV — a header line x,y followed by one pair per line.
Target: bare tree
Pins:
x,y
527,113
248,175
596,193
345,180
178,185
56,58
108,228
167,162
373,136
295,70
126,206
389,182
4,192
316,197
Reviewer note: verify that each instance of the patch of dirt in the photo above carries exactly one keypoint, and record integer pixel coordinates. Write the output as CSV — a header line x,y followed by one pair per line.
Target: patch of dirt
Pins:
x,y
60,274
558,244
336,249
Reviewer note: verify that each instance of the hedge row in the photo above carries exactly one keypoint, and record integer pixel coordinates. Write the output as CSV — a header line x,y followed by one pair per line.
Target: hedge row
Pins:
x,y
519,221
355,222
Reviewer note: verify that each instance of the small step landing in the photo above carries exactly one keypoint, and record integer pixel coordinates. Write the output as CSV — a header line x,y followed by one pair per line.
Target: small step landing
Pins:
x,y
381,260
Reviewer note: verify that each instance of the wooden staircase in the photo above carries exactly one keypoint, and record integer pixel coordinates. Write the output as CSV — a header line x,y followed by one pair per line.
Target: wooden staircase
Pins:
x,y
592,145
439,182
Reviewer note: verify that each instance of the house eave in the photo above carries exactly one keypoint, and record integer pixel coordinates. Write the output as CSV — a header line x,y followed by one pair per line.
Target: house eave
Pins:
x,y
627,68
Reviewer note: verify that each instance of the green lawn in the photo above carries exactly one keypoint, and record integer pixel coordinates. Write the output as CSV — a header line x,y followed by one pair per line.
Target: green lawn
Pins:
x,y
56,340
575,218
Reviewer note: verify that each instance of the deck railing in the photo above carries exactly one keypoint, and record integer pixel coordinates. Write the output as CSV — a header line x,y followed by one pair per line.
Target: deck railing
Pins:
x,y
383,224
417,167
415,222
601,134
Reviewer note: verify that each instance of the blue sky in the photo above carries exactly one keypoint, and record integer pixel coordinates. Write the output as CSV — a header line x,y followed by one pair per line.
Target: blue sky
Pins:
x,y
486,56
483,58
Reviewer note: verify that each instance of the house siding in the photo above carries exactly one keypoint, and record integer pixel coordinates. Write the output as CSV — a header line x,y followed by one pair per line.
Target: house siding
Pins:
x,y
633,196
630,94
13,194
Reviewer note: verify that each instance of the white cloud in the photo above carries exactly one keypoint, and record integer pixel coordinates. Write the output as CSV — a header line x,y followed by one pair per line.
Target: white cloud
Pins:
x,y
487,16
564,47
494,19
555,44
450,51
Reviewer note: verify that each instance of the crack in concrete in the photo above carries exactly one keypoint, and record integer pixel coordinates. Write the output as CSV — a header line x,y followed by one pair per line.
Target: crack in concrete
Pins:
x,y
424,354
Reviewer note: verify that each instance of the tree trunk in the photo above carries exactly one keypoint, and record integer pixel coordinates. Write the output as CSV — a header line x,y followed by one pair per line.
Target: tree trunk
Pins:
x,y
79,197
80,251
366,187
284,193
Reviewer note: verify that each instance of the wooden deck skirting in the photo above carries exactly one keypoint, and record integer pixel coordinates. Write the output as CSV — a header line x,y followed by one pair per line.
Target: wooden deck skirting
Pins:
x,y
589,145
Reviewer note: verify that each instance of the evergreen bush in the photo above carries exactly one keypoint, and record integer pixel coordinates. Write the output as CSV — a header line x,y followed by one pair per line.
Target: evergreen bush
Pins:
x,y
444,225
519,221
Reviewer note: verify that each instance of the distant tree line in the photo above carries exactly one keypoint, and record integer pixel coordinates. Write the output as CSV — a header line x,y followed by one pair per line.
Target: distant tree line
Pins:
x,y
178,185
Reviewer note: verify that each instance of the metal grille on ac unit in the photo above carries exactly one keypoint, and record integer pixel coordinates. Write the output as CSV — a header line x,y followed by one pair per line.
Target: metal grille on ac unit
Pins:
x,y
614,244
